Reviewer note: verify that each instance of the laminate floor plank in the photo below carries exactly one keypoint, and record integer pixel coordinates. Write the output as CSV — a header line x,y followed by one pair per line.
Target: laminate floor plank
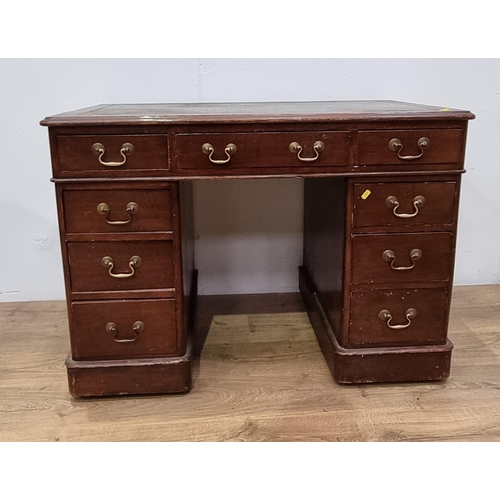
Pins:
x,y
260,377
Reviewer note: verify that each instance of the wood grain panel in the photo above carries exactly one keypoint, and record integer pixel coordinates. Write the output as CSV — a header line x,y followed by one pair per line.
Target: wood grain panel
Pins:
x,y
369,266
370,208
445,146
81,215
91,340
88,274
324,228
262,150
74,153
428,328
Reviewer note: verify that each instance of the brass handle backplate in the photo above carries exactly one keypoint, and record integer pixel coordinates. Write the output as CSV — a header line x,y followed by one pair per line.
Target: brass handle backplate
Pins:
x,y
396,145
385,315
109,263
209,150
296,148
137,328
392,202
103,209
389,256
126,150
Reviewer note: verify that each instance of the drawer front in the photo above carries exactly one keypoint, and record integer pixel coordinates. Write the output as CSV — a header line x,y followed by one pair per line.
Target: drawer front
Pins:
x,y
401,258
261,150
123,329
400,204
83,153
374,314
89,274
117,210
407,147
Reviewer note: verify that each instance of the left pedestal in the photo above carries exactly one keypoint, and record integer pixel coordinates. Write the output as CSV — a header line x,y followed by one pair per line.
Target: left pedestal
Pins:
x,y
128,283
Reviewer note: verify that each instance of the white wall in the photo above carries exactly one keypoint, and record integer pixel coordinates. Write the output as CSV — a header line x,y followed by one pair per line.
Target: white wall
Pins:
x,y
248,232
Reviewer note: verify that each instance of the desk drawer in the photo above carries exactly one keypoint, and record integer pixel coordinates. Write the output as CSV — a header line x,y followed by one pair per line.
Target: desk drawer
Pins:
x,y
410,146
123,329
117,210
398,317
401,258
155,270
84,153
236,151
401,204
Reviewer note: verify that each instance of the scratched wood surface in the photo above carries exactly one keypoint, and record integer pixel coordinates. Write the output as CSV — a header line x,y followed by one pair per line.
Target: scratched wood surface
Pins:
x,y
260,377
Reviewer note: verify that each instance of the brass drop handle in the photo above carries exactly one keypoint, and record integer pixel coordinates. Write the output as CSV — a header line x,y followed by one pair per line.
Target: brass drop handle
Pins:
x,y
209,150
389,256
392,202
126,150
318,146
385,315
132,209
134,263
137,328
396,145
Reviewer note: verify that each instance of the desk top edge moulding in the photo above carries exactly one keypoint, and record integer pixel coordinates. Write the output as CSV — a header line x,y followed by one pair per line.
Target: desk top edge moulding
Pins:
x,y
381,194
252,112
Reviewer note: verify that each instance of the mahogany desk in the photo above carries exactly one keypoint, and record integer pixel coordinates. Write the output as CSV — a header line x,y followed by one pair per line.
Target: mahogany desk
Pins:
x,y
381,194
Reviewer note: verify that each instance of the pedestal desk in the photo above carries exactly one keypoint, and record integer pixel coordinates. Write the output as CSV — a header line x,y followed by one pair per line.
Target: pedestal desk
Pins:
x,y
381,191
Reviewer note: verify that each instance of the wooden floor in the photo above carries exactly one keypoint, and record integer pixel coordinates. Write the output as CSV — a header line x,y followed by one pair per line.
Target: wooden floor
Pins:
x,y
260,377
